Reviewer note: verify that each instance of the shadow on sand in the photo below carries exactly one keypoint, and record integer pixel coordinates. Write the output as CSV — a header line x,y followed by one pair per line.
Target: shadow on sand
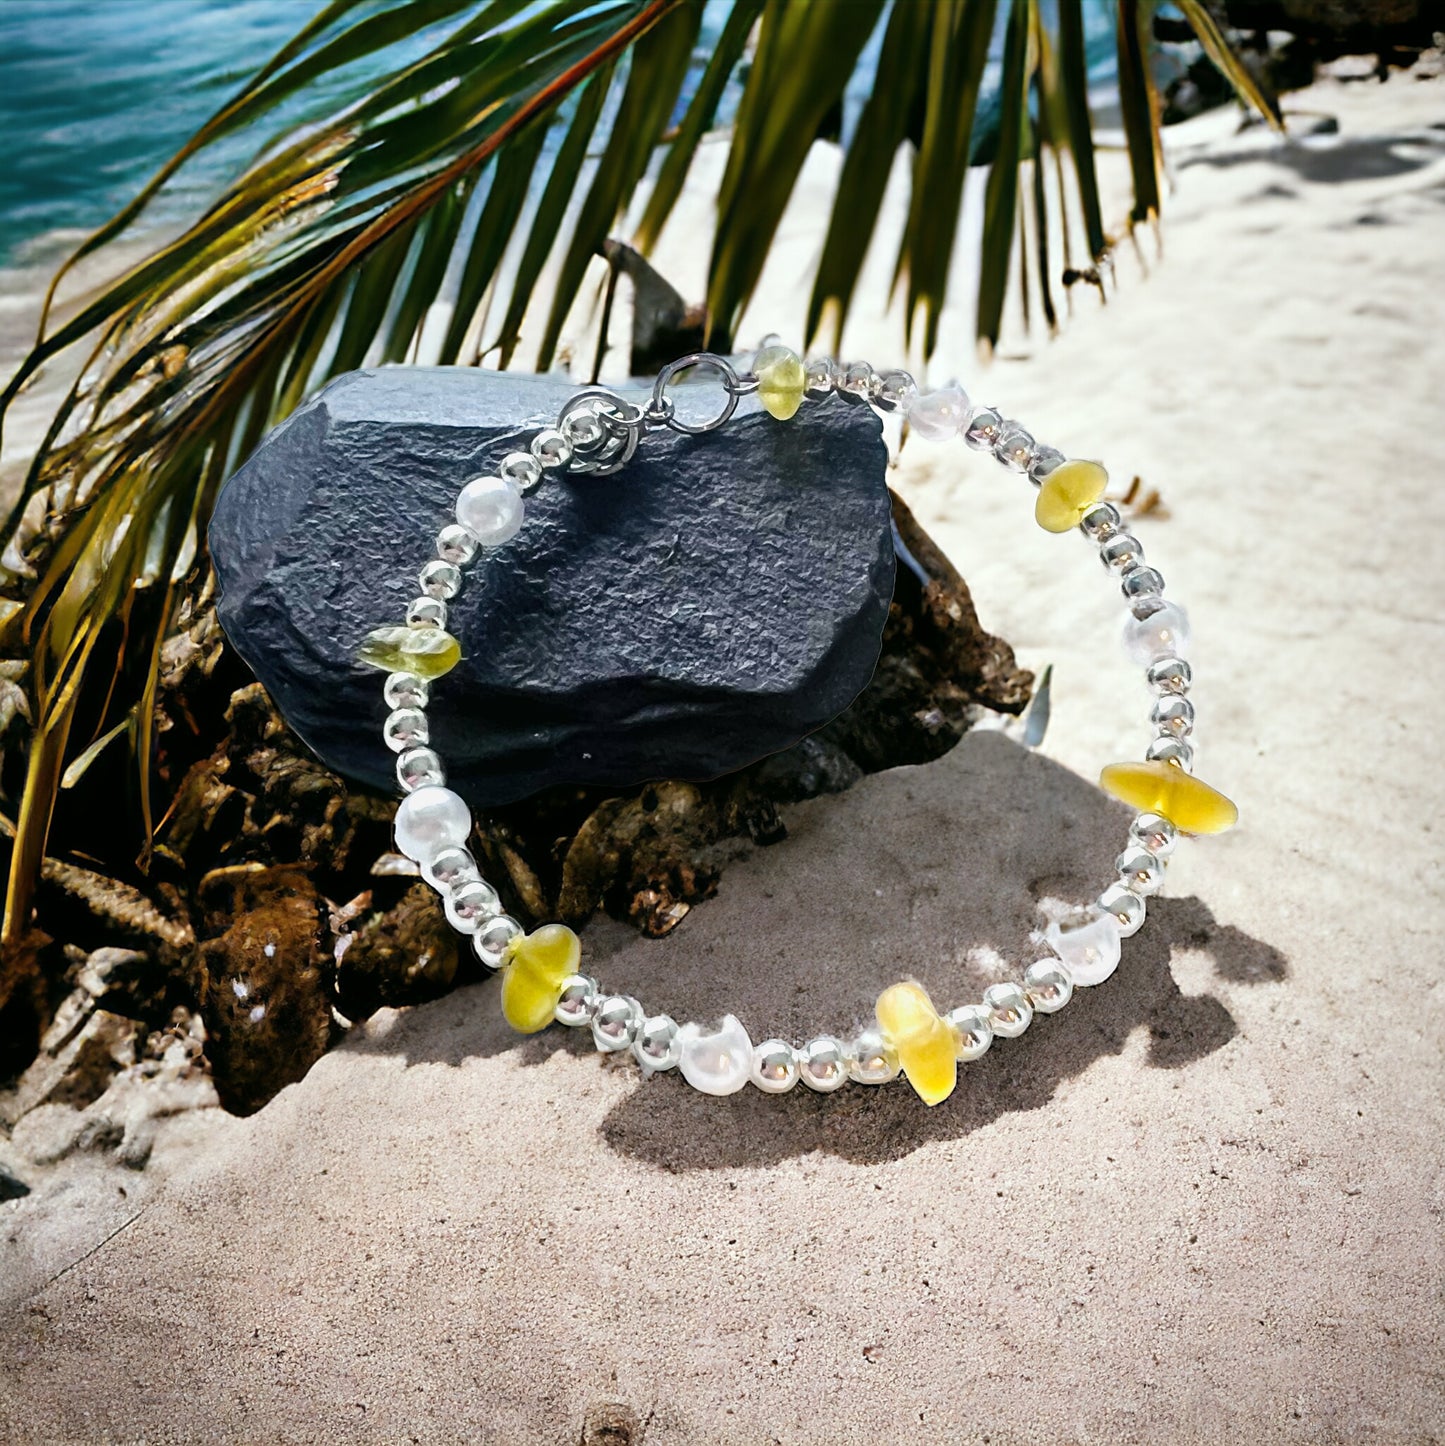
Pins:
x,y
908,873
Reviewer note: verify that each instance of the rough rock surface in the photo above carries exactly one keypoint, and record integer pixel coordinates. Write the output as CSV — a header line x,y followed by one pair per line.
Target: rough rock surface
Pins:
x,y
721,598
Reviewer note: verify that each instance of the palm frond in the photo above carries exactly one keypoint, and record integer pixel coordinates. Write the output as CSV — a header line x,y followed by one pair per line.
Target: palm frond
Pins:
x,y
418,164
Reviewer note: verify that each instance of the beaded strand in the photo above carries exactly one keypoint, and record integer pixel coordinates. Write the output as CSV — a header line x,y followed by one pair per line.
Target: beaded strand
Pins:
x,y
542,980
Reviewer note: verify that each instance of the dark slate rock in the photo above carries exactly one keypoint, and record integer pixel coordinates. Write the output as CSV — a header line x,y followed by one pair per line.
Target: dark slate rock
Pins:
x,y
712,603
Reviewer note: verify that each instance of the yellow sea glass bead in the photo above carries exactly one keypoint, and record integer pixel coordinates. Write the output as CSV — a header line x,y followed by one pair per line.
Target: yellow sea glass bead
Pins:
x,y
1067,493
925,1044
1165,788
426,652
782,380
532,978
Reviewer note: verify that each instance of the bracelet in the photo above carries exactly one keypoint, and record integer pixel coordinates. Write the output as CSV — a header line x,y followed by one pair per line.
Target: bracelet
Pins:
x,y
597,432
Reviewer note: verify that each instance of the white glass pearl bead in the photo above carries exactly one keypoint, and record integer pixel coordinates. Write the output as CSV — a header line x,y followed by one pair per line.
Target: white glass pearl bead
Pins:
x,y
940,415
1163,634
871,1059
491,509
430,820
657,1045
450,867
441,580
1049,985
419,768
577,1001
1154,832
493,941
970,1023
1091,949
774,1066
521,469
1170,675
469,903
716,1061
456,545
616,1023
823,1064
406,690
1140,871
405,728
1009,1010
1126,907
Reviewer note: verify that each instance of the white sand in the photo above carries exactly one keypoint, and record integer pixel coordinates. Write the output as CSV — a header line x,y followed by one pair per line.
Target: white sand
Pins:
x,y
1202,1204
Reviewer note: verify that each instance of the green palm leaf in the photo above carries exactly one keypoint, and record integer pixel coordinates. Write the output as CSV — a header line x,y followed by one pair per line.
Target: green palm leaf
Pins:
x,y
425,158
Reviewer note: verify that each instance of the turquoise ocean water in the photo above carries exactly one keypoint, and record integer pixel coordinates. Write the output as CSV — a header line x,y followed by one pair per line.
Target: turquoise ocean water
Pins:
x,y
96,94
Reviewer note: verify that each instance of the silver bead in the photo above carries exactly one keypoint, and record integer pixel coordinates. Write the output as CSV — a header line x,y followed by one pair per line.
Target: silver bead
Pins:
x,y
551,448
577,1001
456,545
1014,447
871,1059
1164,633
1170,675
616,1022
1169,749
404,728
983,429
774,1067
1173,714
450,867
823,1064
419,768
657,1045
1140,582
1154,832
1045,460
1121,552
441,579
940,414
491,508
426,612
859,382
521,469
492,943
1100,522
1140,871
406,690
1009,1010
1049,985
470,903
822,374
582,429
896,391
974,1031
1127,908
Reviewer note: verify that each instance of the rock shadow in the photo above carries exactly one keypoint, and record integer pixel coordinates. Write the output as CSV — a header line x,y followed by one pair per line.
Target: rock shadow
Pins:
x,y
912,872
